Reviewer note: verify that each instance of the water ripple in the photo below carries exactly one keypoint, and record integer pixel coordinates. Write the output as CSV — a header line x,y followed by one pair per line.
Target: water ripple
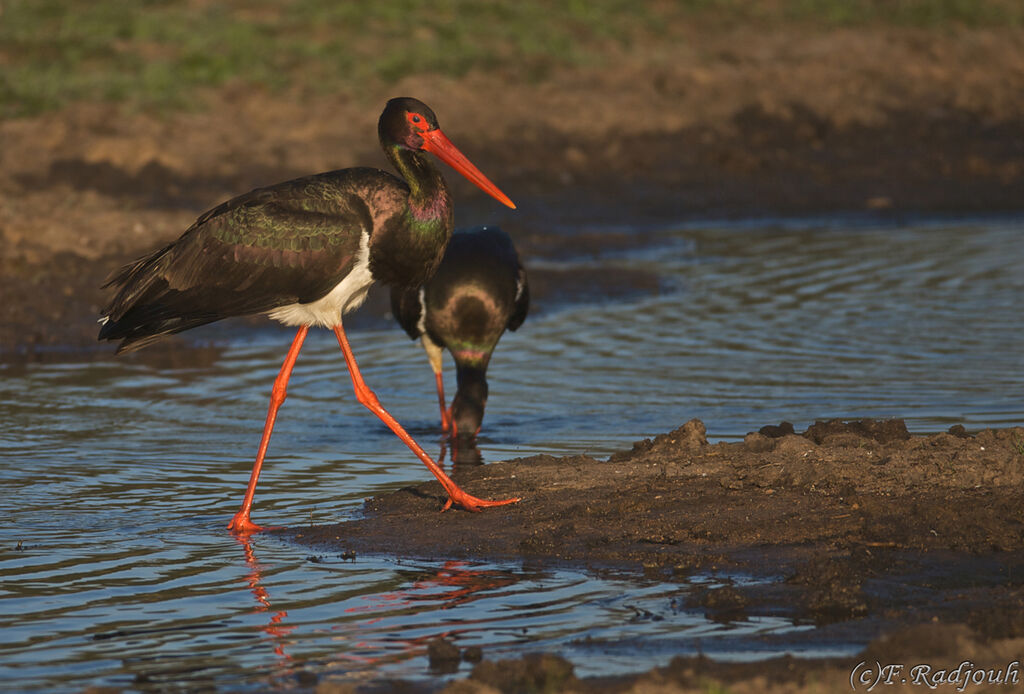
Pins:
x,y
119,477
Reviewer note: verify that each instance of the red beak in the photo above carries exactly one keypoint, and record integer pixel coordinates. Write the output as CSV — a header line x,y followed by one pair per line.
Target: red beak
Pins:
x,y
438,144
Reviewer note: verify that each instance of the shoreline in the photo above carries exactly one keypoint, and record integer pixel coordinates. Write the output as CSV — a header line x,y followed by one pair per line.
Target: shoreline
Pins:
x,y
737,124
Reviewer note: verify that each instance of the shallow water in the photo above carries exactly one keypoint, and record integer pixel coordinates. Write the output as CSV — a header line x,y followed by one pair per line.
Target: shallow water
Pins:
x,y
119,476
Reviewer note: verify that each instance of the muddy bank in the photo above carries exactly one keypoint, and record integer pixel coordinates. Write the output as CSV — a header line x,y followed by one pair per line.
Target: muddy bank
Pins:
x,y
729,122
922,658
869,532
677,502
51,279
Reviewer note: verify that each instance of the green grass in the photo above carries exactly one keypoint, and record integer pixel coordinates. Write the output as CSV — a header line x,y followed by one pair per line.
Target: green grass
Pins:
x,y
158,53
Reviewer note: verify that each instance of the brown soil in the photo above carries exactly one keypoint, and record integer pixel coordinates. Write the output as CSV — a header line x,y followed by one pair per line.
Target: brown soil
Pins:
x,y
730,122
914,540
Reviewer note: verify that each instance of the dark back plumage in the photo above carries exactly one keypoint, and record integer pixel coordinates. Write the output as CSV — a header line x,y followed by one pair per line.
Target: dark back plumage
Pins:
x,y
479,291
293,243
284,244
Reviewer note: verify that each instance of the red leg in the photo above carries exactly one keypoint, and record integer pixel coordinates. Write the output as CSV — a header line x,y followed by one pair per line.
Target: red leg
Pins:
x,y
369,399
446,414
241,523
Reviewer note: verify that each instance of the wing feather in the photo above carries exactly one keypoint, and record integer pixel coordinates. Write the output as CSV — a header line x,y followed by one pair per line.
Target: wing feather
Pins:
x,y
290,243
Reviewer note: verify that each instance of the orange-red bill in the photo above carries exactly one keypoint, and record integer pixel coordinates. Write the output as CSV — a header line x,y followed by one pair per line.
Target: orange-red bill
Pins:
x,y
437,143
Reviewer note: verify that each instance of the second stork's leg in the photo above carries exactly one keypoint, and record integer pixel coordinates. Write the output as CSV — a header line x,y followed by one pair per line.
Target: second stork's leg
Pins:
x,y
435,353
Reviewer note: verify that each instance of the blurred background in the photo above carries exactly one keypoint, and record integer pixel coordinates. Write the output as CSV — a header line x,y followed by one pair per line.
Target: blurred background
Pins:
x,y
121,120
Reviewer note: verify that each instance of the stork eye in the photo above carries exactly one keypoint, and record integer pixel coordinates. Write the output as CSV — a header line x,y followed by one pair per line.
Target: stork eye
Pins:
x,y
417,121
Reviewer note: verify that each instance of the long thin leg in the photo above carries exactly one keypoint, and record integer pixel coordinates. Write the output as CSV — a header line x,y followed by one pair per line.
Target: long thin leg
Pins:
x,y
446,415
369,399
435,353
241,522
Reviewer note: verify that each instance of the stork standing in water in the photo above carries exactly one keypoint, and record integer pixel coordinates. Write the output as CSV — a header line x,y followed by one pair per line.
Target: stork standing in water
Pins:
x,y
305,252
478,292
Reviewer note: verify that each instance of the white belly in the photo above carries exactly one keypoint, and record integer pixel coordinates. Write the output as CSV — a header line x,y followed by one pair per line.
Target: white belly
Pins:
x,y
348,295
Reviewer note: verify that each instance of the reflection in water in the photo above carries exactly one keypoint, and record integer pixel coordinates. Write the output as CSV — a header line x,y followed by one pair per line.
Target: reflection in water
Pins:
x,y
454,584
372,639
464,452
275,629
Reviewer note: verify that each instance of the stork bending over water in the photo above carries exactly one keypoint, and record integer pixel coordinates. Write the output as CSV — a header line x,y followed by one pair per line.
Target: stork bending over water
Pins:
x,y
478,292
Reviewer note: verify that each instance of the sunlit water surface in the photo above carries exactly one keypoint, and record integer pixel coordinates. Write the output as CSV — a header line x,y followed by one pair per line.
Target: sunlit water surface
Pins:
x,y
118,477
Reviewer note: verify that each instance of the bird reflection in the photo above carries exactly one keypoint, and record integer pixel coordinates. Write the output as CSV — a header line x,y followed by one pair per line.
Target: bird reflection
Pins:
x,y
372,632
464,452
453,584
274,628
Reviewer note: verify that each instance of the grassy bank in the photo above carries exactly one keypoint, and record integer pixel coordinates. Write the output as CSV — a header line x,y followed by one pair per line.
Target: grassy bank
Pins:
x,y
157,54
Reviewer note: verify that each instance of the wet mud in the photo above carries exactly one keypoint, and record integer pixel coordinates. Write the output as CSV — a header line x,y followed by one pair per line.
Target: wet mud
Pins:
x,y
912,544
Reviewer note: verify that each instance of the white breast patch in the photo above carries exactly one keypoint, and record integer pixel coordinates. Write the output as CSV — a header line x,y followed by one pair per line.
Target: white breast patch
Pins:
x,y
347,295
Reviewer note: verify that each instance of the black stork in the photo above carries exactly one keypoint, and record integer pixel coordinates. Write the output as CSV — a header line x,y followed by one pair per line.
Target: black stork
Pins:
x,y
305,252
478,292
